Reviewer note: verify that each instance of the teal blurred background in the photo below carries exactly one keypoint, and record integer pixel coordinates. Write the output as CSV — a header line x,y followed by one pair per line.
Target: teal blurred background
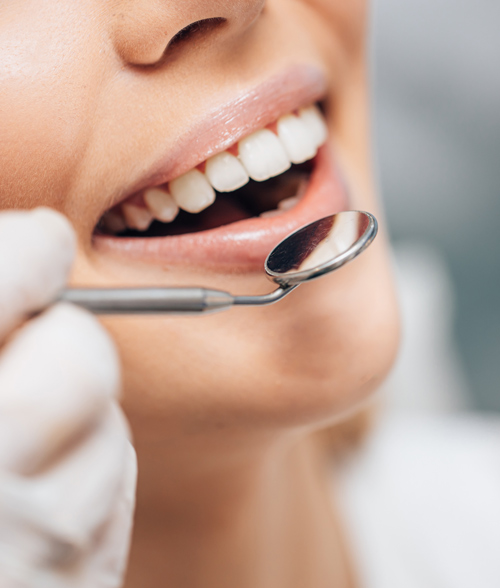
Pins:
x,y
436,74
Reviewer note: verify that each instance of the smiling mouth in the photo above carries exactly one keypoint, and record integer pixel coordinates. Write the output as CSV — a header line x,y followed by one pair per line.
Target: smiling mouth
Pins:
x,y
239,181
264,175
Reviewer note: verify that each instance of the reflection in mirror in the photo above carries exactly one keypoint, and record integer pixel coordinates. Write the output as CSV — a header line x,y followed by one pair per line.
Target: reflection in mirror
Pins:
x,y
321,247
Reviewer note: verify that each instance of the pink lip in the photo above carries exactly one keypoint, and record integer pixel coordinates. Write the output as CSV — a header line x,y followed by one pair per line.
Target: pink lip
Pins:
x,y
222,127
243,245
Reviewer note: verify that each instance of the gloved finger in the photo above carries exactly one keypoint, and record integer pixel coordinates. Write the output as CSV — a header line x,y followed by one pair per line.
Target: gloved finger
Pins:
x,y
56,378
54,523
109,563
36,253
87,482
95,520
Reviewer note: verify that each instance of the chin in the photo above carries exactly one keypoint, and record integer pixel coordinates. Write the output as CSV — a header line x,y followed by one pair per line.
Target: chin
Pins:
x,y
308,361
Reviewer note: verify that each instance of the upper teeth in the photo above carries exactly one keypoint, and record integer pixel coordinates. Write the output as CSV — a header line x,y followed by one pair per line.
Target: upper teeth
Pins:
x,y
192,191
137,217
162,206
261,155
225,172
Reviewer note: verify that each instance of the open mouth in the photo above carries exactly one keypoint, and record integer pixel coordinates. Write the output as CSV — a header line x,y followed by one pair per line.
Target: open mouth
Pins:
x,y
264,175
237,183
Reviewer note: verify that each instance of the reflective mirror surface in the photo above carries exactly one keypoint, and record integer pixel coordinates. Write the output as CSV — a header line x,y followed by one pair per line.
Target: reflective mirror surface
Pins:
x,y
320,247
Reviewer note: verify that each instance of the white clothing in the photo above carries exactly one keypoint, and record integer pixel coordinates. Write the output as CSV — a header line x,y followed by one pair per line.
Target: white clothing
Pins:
x,y
422,503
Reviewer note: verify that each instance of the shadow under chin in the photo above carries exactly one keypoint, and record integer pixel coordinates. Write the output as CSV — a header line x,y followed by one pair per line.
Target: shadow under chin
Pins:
x,y
308,361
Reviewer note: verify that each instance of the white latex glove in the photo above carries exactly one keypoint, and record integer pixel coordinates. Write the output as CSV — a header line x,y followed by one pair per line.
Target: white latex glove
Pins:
x,y
67,467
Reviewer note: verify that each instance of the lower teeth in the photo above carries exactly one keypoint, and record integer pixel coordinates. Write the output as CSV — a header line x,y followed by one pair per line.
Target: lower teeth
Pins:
x,y
283,206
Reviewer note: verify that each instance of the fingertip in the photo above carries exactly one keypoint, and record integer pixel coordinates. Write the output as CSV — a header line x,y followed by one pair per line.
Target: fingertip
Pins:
x,y
90,345
58,227
58,376
38,250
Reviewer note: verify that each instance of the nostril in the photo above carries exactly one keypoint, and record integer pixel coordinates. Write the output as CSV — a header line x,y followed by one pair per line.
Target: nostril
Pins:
x,y
145,39
200,27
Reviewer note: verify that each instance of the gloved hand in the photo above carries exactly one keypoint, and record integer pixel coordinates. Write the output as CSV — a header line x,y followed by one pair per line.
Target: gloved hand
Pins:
x,y
67,468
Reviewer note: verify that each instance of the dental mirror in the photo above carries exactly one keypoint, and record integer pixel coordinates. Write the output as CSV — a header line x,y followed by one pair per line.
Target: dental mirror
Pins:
x,y
307,254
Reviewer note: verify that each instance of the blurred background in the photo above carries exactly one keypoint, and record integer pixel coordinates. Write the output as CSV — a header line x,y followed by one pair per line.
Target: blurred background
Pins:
x,y
436,80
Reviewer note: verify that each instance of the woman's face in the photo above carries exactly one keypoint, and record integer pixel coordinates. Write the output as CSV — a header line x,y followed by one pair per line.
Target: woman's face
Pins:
x,y
103,100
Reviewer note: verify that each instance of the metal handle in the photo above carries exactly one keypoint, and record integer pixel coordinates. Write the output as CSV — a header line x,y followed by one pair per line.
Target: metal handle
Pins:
x,y
148,300
163,300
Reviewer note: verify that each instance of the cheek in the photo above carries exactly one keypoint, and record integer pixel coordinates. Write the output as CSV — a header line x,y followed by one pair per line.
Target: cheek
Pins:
x,y
305,361
37,159
45,80
348,19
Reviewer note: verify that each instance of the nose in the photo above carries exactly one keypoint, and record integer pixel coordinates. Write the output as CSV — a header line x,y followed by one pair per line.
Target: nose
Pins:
x,y
143,29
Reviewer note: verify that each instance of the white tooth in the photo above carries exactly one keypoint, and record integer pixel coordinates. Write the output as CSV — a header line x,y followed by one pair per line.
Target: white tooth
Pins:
x,y
137,217
161,205
114,222
225,172
192,192
288,203
271,213
263,155
316,124
297,139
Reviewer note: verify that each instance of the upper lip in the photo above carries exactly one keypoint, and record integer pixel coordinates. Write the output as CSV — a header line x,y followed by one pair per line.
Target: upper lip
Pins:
x,y
220,128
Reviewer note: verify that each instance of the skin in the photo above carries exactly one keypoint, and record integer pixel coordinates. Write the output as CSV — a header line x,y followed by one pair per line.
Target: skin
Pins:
x,y
233,488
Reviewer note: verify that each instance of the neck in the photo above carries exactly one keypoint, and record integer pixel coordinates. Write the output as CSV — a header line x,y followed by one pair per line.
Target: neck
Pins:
x,y
264,521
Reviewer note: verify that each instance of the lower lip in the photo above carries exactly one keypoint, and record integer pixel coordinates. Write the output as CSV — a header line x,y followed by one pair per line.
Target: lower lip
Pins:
x,y
243,245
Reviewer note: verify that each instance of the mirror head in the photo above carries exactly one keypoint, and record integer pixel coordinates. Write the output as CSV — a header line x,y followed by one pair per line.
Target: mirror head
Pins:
x,y
320,247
